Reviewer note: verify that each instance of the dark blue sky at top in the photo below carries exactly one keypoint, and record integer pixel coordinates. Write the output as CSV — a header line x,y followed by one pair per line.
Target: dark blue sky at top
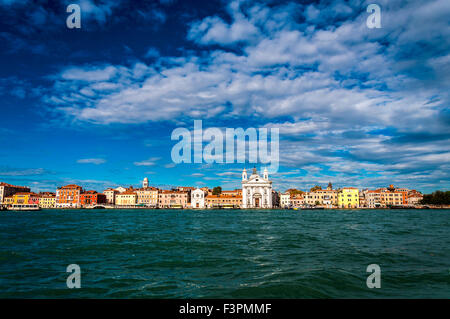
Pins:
x,y
97,105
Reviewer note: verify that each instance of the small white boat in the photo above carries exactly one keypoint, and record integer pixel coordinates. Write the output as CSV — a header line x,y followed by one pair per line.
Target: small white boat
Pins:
x,y
23,207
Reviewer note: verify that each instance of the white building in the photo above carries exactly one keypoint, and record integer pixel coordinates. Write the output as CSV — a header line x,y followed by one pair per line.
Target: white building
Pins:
x,y
120,189
198,198
256,191
285,200
145,183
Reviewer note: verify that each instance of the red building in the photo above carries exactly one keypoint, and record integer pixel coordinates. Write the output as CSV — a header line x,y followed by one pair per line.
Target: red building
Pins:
x,y
92,198
34,199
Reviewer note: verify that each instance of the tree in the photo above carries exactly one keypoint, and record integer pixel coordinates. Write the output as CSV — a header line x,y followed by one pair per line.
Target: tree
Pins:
x,y
217,190
294,191
437,198
316,188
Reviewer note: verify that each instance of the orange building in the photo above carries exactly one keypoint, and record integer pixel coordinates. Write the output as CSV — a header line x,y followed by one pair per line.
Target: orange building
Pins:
x,y
69,196
220,201
236,192
92,198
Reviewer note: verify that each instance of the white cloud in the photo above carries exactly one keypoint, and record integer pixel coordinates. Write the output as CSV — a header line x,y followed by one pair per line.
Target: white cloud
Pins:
x,y
149,162
96,161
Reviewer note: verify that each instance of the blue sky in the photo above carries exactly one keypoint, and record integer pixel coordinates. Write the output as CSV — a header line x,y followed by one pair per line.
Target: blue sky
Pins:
x,y
97,105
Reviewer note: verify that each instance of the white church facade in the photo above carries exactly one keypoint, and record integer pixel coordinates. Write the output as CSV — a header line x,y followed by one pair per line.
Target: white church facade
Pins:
x,y
256,190
198,198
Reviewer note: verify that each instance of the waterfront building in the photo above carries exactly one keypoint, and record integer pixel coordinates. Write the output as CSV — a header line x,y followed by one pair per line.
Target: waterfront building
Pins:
x,y
68,196
236,192
8,201
47,200
198,198
92,198
296,200
414,197
348,197
256,190
147,196
285,200
275,199
120,189
373,199
25,198
383,197
322,197
110,194
223,201
126,198
188,190
172,199
7,190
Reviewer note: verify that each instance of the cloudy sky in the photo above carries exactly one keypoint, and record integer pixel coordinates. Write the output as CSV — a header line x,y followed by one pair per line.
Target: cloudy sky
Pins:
x,y
97,105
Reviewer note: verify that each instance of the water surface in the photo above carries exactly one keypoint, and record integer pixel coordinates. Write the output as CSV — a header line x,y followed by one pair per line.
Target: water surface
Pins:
x,y
225,253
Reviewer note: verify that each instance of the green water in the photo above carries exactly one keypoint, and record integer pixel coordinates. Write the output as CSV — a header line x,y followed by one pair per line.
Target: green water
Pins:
x,y
225,254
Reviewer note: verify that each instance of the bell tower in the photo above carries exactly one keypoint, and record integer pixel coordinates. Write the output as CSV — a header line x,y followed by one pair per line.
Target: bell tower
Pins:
x,y
244,175
145,183
266,174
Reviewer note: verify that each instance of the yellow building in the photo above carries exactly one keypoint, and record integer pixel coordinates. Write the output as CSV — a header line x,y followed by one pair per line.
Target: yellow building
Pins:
x,y
127,198
8,200
47,201
21,198
348,197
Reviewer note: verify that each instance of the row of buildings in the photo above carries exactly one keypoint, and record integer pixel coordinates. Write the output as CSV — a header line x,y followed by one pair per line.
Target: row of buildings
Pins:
x,y
256,192
352,197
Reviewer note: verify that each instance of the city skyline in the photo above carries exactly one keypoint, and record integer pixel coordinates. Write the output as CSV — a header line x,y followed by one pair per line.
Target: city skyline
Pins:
x,y
97,105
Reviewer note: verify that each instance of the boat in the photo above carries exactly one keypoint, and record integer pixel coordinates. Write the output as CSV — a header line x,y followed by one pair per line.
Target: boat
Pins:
x,y
24,207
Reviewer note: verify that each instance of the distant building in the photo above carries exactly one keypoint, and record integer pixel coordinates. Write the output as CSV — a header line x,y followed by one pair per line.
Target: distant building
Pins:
x,y
275,199
110,194
7,190
384,197
120,189
256,190
92,198
8,201
47,200
348,197
322,197
26,198
147,196
68,196
198,198
296,200
236,192
145,183
414,197
172,199
223,201
126,198
285,200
